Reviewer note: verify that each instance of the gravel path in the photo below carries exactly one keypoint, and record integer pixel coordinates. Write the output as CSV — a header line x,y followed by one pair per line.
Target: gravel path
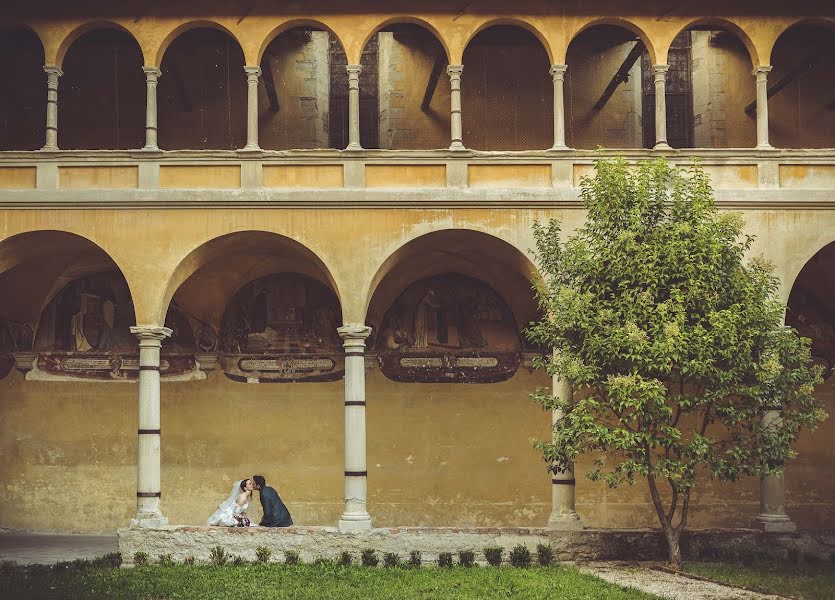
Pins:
x,y
667,585
46,549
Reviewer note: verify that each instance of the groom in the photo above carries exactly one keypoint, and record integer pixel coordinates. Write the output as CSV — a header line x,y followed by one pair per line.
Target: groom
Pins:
x,y
275,513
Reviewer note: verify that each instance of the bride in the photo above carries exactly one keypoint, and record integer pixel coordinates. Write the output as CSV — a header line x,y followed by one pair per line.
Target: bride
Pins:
x,y
232,511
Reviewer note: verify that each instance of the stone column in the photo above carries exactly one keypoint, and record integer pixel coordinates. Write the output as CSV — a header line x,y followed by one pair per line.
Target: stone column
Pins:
x,y
761,73
456,128
661,107
773,515
252,75
563,515
354,107
152,75
558,76
148,513
356,474
52,75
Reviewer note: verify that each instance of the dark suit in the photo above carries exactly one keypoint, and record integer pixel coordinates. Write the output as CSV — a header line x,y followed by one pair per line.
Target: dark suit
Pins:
x,y
275,513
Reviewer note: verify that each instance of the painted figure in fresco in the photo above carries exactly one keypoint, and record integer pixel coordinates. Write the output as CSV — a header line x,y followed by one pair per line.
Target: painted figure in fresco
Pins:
x,y
469,331
425,310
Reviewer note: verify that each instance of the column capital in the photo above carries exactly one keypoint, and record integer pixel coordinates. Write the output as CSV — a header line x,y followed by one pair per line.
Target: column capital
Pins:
x,y
151,73
558,71
761,72
53,70
150,332
353,69
354,332
660,69
252,71
454,70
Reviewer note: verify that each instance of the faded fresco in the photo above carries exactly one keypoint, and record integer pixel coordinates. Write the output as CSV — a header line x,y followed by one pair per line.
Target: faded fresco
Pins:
x,y
84,333
448,328
282,328
813,318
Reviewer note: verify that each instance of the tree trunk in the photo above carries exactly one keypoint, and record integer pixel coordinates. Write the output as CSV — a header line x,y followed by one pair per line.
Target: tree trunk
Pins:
x,y
673,547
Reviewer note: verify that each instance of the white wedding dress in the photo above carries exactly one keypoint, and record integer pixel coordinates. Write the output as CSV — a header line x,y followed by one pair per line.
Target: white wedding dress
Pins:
x,y
227,510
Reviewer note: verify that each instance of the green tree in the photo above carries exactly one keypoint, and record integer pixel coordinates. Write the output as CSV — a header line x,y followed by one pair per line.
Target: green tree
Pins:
x,y
674,342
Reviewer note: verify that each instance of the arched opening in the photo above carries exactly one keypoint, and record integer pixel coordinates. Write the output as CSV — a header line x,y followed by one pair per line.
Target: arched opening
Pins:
x,y
202,92
811,310
303,96
102,93
710,90
608,103
801,88
409,107
448,309
265,312
22,105
507,95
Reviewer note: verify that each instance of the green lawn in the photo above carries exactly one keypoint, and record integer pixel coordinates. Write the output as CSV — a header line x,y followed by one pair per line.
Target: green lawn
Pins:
x,y
811,582
263,582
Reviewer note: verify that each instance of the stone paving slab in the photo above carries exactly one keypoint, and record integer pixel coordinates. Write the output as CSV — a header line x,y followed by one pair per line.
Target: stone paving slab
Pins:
x,y
668,585
47,549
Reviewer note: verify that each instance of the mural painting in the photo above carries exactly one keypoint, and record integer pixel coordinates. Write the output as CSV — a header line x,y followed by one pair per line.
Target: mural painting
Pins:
x,y
282,328
84,333
813,318
448,328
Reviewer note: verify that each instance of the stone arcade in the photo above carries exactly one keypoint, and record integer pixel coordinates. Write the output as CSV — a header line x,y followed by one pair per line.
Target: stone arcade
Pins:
x,y
243,220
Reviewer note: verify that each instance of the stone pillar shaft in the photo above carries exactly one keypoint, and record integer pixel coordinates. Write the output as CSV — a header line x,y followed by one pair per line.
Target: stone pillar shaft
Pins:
x,y
563,513
773,515
354,107
52,75
761,73
356,471
558,77
661,107
456,127
252,75
152,75
148,512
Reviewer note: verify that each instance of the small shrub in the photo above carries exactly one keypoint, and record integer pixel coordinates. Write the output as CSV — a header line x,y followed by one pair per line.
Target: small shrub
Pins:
x,y
369,558
291,557
520,557
345,559
238,561
321,561
544,554
466,558
189,561
165,560
445,559
390,559
140,559
218,556
263,554
415,559
493,555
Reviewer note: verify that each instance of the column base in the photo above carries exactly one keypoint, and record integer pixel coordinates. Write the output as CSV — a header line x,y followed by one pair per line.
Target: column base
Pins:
x,y
149,520
775,523
457,146
150,149
355,522
354,147
564,522
662,146
563,147
49,149
249,148
765,146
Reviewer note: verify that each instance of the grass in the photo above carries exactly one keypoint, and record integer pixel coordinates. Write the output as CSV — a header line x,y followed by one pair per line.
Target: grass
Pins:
x,y
811,582
301,582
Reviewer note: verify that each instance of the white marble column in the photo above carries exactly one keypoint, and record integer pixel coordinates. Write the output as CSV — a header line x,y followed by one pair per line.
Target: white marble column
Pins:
x,y
148,513
661,107
456,127
356,471
354,107
152,75
52,75
761,73
563,515
252,75
558,77
772,516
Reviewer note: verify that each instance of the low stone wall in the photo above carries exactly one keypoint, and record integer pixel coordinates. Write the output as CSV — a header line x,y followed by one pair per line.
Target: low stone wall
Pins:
x,y
593,544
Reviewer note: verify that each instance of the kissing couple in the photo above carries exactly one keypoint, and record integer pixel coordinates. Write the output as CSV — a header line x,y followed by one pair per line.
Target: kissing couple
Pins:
x,y
232,511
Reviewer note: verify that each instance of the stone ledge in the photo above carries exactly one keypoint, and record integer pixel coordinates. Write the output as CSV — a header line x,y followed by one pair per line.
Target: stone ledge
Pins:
x,y
588,545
